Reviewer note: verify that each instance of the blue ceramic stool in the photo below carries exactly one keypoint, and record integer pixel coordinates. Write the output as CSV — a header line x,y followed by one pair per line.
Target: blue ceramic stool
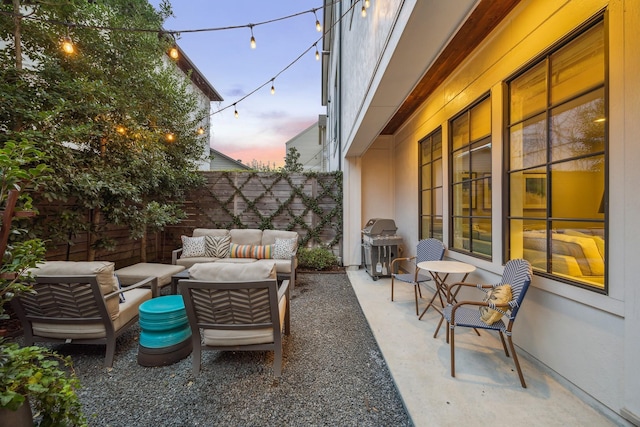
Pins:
x,y
165,335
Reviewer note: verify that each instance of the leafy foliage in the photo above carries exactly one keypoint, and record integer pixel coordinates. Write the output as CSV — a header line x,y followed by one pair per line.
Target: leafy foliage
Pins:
x,y
46,378
21,167
292,161
316,258
102,114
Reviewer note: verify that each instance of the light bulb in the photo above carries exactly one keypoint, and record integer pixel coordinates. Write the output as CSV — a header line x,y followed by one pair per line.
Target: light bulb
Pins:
x,y
121,130
67,45
253,42
273,90
235,112
318,26
317,55
200,130
367,3
364,12
170,137
173,53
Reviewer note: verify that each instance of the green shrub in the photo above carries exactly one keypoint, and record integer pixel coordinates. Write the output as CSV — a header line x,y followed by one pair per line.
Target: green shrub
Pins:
x,y
316,258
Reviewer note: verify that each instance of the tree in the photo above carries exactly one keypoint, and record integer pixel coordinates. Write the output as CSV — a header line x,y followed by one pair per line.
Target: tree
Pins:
x,y
117,121
291,161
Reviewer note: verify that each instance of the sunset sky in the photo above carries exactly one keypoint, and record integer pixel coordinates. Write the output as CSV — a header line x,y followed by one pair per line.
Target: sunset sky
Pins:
x,y
266,122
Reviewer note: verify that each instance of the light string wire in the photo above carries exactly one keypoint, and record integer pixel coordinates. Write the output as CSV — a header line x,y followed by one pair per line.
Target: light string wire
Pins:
x,y
271,80
149,30
174,32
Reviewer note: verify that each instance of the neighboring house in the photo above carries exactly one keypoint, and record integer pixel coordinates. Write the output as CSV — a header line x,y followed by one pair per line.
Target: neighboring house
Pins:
x,y
508,129
206,94
310,144
222,162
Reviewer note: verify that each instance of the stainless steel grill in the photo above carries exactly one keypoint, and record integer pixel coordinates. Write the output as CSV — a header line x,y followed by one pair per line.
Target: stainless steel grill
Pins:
x,y
379,246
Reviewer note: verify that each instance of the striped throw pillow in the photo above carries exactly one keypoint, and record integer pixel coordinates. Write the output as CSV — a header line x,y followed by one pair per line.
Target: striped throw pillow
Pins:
x,y
217,246
240,251
262,252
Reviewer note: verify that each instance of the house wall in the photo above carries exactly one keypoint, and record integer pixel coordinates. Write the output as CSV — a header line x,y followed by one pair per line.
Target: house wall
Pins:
x,y
591,340
204,104
309,147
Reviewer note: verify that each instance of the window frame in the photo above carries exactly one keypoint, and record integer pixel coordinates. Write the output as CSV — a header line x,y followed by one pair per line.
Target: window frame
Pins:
x,y
544,59
432,214
474,181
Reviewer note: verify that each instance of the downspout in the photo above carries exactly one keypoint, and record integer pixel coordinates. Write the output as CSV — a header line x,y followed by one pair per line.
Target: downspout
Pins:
x,y
339,106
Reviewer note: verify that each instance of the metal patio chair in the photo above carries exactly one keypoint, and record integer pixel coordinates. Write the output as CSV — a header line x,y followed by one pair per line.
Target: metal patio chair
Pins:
x,y
517,273
427,250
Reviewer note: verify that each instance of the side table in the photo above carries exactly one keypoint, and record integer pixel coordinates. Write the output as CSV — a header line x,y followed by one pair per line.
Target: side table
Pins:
x,y
165,334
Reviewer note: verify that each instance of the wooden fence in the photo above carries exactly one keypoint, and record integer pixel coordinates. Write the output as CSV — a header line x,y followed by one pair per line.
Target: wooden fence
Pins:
x,y
308,203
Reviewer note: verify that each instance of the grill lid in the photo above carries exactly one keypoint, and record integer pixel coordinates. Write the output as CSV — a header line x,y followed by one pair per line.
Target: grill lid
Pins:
x,y
377,226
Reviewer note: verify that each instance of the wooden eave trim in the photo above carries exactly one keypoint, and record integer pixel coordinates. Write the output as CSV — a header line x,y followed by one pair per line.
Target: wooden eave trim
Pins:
x,y
485,17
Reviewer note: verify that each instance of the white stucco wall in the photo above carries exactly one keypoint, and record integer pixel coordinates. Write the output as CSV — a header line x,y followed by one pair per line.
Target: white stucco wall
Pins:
x,y
591,340
577,333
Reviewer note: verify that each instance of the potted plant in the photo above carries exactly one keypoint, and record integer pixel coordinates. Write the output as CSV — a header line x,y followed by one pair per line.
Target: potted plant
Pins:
x,y
28,375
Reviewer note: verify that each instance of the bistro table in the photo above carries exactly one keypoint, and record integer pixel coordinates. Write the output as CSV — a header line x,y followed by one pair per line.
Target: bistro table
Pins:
x,y
440,271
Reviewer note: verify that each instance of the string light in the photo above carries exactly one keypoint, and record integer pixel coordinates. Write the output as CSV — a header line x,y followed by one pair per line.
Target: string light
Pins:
x,y
235,111
333,24
173,53
318,26
200,130
364,11
121,130
169,137
367,3
317,53
273,88
67,45
253,39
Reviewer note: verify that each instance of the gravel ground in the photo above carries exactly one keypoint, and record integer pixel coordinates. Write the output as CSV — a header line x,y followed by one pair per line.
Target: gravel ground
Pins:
x,y
333,375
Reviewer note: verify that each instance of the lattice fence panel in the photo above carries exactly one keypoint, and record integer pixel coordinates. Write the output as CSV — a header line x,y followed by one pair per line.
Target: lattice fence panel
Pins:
x,y
308,203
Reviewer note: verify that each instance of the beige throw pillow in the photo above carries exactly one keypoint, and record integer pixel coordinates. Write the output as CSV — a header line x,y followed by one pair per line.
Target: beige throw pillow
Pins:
x,y
498,295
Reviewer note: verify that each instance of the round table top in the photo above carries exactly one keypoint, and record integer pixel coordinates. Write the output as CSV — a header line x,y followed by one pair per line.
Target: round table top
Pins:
x,y
450,267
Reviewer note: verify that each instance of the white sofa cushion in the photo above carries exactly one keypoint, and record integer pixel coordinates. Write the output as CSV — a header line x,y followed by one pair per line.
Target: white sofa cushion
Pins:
x,y
247,236
216,232
269,236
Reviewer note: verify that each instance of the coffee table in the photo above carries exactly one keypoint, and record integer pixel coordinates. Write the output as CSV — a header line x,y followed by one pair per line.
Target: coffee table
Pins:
x,y
440,271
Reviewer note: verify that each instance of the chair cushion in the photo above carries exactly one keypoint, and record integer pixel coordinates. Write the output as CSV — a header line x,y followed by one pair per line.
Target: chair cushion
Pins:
x,y
230,272
193,246
103,270
497,295
217,246
140,271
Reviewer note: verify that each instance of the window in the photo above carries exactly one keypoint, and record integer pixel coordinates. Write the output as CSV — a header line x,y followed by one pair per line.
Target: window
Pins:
x,y
471,180
431,186
558,161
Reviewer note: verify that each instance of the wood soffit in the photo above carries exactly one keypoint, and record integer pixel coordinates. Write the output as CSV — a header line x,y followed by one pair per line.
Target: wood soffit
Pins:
x,y
485,17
